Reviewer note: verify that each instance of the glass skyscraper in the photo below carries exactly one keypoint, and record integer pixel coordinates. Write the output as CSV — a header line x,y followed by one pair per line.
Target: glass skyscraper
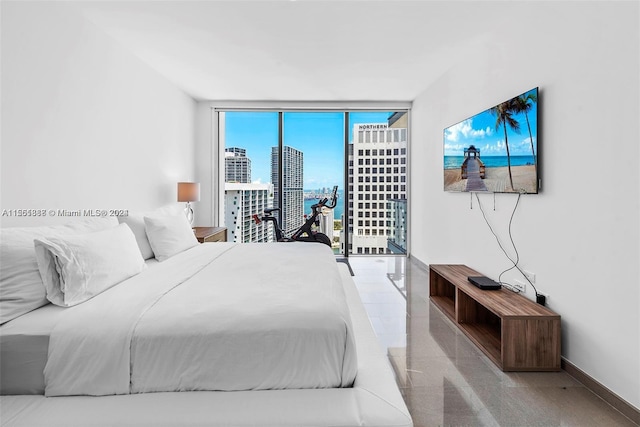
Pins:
x,y
292,209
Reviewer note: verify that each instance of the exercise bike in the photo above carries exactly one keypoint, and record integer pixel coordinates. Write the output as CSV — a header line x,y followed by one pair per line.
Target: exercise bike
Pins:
x,y
305,233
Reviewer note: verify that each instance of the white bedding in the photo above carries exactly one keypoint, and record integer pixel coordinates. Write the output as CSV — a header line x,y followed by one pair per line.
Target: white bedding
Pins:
x,y
24,345
374,400
219,316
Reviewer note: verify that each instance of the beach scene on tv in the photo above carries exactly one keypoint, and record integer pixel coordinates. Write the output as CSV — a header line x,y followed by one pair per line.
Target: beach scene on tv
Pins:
x,y
496,150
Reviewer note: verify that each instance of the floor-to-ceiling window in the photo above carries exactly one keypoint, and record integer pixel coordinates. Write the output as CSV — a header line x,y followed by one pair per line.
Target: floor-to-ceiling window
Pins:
x,y
313,163
290,159
246,141
378,173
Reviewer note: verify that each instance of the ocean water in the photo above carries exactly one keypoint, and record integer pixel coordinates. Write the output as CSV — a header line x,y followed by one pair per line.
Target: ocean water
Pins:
x,y
337,211
454,162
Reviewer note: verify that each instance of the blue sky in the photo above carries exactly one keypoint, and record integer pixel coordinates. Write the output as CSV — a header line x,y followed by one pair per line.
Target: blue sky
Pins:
x,y
319,135
480,131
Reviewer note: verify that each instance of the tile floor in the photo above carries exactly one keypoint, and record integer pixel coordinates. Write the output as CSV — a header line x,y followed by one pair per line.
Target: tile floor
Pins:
x,y
445,379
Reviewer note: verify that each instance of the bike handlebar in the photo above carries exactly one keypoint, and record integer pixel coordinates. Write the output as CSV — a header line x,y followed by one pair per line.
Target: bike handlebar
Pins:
x,y
334,198
323,201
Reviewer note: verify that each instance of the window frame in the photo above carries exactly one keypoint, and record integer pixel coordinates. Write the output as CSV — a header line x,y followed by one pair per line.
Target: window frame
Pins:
x,y
217,157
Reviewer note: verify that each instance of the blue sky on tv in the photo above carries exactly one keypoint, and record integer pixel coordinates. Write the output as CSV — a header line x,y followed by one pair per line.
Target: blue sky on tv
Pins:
x,y
480,131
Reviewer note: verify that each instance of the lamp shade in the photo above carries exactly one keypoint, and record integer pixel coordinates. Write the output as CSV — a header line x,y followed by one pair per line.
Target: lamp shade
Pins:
x,y
188,191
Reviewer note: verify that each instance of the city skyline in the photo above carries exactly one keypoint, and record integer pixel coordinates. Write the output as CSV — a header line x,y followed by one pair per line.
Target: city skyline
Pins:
x,y
376,170
319,135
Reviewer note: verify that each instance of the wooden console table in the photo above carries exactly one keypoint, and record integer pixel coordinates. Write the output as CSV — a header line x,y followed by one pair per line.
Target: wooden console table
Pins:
x,y
516,333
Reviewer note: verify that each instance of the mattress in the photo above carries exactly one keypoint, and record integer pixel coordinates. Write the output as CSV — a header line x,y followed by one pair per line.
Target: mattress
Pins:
x,y
24,344
217,317
374,400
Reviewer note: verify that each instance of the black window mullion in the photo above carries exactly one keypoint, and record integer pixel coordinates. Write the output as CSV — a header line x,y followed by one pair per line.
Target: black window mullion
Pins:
x,y
345,222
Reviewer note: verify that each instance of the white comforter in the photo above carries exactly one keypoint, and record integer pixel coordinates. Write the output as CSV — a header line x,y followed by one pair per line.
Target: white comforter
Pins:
x,y
220,316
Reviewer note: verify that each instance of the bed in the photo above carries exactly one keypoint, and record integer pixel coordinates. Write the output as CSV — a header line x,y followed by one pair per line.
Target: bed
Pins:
x,y
281,323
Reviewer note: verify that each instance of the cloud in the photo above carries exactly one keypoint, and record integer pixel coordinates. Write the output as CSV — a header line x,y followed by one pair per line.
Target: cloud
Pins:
x,y
496,148
481,133
466,129
516,147
454,147
453,133
526,142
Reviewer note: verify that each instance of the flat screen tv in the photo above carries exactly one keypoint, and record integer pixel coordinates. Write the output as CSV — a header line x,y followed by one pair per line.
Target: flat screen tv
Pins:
x,y
495,151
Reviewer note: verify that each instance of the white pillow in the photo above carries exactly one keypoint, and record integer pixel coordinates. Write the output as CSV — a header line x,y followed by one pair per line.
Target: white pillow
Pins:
x,y
77,268
169,235
21,287
136,224
135,221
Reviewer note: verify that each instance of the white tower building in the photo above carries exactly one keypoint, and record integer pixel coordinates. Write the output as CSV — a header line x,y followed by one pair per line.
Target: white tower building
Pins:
x,y
242,201
237,165
377,174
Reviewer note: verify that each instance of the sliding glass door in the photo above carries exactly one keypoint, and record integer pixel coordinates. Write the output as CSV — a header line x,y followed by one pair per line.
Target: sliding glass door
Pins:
x,y
291,159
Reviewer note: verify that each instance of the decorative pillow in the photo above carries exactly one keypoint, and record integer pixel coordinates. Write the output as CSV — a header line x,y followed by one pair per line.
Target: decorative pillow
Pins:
x,y
135,221
77,268
169,235
21,287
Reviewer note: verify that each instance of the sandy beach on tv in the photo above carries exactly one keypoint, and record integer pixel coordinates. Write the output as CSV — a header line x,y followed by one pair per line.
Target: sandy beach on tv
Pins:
x,y
496,179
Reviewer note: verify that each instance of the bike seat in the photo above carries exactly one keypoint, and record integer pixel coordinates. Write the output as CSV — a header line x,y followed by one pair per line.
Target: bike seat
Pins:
x,y
269,210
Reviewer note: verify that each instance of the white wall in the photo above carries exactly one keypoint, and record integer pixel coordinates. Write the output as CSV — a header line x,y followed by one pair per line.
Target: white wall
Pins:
x,y
580,236
85,124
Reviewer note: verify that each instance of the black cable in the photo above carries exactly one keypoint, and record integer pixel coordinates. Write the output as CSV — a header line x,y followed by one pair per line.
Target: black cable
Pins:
x,y
515,263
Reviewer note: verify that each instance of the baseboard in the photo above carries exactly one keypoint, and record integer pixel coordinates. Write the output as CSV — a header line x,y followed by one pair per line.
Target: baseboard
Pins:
x,y
419,263
604,393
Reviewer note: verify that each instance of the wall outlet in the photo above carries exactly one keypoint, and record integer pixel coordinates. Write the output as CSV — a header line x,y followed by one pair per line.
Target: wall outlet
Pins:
x,y
531,276
542,298
520,286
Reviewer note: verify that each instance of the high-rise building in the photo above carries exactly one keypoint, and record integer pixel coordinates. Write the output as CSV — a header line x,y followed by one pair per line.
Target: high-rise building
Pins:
x,y
377,174
326,222
292,210
397,242
242,201
237,165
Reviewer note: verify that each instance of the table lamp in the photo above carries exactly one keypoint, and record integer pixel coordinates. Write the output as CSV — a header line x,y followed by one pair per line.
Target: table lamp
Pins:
x,y
189,192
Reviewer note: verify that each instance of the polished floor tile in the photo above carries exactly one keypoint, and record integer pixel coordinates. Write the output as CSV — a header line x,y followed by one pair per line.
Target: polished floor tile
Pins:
x,y
444,379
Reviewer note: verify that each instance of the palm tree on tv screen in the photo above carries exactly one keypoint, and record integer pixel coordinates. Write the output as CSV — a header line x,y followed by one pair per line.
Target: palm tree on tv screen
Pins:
x,y
524,104
504,117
